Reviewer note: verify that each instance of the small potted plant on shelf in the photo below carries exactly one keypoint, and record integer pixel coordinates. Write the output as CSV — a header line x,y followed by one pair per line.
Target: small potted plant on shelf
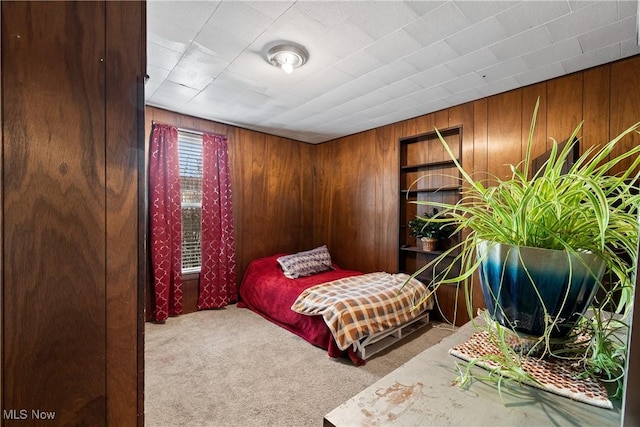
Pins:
x,y
543,243
426,230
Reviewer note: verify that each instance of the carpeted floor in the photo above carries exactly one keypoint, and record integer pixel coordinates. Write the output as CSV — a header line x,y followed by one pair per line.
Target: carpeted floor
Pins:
x,y
231,367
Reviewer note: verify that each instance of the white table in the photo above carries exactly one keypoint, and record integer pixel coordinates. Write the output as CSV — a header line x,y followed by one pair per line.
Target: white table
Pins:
x,y
422,392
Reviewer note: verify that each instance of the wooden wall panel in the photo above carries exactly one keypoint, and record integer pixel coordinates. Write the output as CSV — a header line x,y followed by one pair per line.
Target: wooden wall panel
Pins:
x,y
504,133
530,95
346,173
625,108
564,106
54,189
595,107
386,226
125,62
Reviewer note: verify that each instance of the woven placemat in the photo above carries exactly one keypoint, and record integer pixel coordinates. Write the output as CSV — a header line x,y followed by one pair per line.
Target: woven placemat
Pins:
x,y
555,376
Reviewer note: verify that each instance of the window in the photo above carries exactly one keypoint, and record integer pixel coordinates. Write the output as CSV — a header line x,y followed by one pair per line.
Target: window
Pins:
x,y
190,154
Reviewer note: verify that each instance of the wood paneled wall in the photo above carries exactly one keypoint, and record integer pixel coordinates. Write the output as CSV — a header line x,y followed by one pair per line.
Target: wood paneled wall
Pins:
x,y
357,188
70,140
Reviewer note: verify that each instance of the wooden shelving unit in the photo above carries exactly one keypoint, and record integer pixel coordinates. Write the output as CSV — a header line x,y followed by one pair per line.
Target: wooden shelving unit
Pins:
x,y
427,174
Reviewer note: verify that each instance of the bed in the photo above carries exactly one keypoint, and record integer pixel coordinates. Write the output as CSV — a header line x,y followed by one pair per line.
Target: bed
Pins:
x,y
292,303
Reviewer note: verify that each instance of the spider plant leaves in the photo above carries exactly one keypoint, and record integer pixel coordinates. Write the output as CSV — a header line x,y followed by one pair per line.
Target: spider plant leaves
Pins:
x,y
585,208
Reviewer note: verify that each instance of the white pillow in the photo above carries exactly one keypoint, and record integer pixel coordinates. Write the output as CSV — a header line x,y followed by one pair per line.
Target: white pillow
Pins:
x,y
306,263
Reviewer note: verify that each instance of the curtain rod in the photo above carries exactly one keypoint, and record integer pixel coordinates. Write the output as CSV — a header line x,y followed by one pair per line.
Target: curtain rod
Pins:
x,y
194,131
197,132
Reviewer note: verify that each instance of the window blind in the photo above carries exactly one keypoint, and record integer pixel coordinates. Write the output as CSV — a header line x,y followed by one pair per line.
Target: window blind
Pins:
x,y
190,155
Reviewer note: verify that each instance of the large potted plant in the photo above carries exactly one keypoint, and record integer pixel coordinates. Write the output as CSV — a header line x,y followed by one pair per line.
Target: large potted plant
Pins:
x,y
522,231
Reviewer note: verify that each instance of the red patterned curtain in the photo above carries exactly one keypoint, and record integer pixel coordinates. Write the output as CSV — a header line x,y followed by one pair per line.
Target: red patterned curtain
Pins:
x,y
166,221
218,271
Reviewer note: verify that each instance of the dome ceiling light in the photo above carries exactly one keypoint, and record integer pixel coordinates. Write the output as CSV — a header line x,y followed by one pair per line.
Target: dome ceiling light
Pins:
x,y
287,56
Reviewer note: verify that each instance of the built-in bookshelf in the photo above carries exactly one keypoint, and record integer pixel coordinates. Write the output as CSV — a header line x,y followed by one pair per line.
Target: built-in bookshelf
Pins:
x,y
427,174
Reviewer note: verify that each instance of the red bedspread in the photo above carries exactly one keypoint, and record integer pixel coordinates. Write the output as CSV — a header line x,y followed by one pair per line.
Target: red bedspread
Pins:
x,y
266,291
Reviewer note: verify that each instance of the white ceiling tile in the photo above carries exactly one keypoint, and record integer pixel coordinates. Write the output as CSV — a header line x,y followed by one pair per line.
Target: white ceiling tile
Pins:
x,y
250,97
630,47
627,9
396,15
428,95
474,61
610,34
464,83
394,72
585,19
272,9
239,19
345,40
172,93
235,82
434,76
189,77
431,56
530,14
540,74
156,77
219,43
554,53
593,58
298,27
424,7
438,24
401,88
199,58
394,46
186,14
169,35
477,11
162,57
321,83
359,64
503,70
477,36
512,47
215,94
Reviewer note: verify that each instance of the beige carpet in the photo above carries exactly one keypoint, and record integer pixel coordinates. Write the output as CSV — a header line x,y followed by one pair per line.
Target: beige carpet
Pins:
x,y
231,367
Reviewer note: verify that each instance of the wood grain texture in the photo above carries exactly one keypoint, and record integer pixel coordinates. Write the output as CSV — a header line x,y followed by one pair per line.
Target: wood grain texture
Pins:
x,y
530,95
125,47
595,107
54,194
625,107
504,133
564,106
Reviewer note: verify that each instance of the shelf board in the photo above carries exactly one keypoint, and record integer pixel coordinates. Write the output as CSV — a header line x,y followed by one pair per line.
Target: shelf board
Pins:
x,y
431,165
417,249
432,190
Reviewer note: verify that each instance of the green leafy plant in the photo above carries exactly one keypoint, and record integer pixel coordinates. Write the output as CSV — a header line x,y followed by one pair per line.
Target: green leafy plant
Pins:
x,y
585,209
424,226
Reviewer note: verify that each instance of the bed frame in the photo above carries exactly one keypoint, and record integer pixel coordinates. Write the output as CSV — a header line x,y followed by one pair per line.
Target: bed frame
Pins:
x,y
373,344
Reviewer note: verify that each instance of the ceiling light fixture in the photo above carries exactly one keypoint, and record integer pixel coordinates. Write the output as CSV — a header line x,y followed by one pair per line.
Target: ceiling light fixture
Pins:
x,y
287,56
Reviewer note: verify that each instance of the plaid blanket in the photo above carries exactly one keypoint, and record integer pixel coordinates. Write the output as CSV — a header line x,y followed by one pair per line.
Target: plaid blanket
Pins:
x,y
357,306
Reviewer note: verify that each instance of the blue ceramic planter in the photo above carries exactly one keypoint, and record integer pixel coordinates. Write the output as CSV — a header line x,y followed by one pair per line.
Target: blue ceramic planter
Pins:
x,y
566,284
